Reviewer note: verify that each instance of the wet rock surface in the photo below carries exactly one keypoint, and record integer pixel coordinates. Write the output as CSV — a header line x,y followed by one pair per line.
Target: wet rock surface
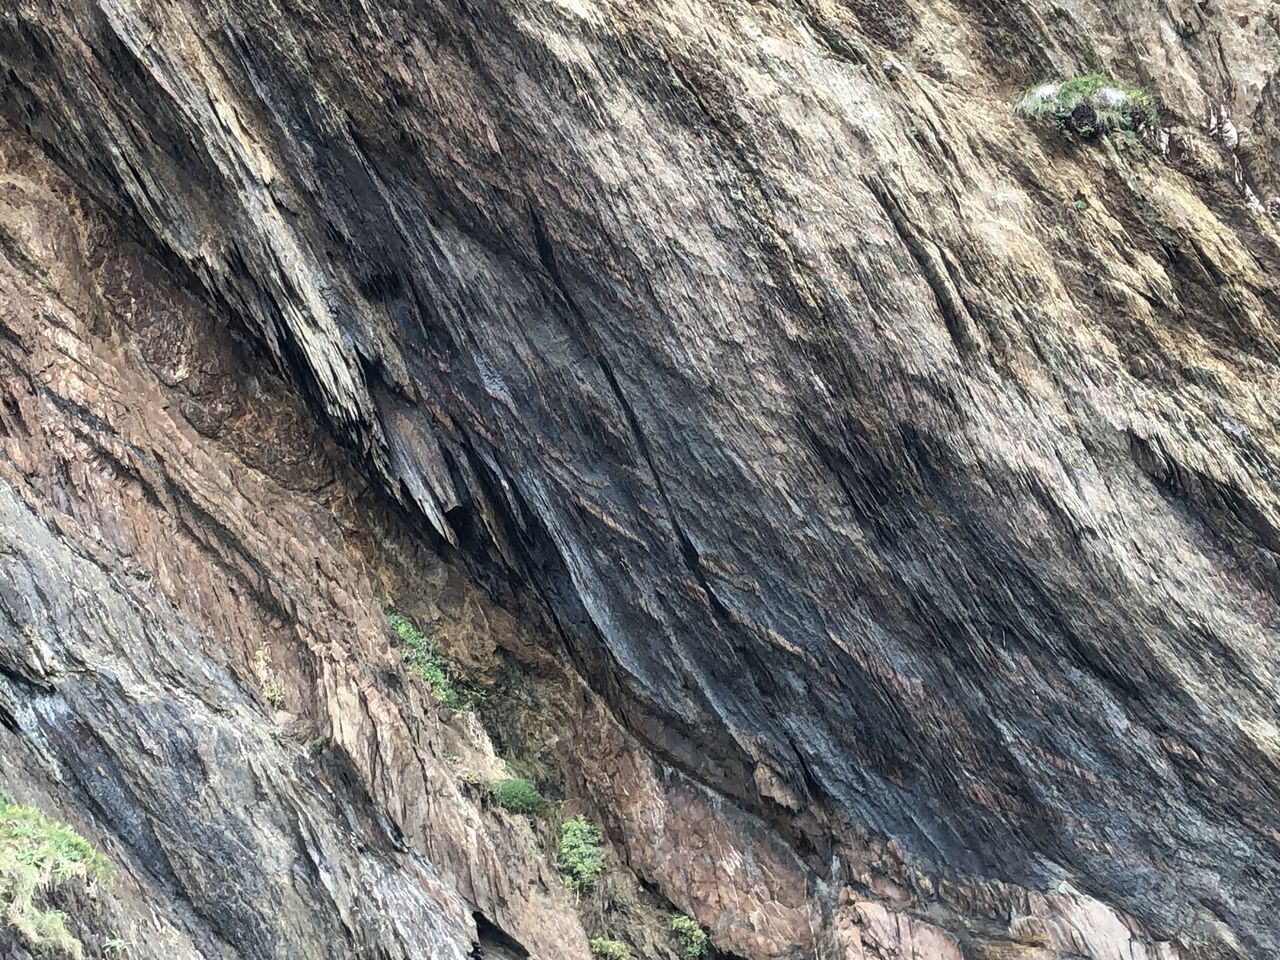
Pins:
x,y
912,525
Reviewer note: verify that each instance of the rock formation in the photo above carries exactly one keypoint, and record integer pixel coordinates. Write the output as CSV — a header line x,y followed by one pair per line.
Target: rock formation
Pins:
x,y
861,502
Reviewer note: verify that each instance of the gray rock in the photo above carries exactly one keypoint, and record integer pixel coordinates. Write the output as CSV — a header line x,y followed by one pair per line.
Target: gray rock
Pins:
x,y
879,494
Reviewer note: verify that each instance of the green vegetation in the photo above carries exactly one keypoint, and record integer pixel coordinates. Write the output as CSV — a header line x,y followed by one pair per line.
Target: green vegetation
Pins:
x,y
581,859
424,659
1081,205
609,949
269,683
518,796
273,693
1089,105
527,767
37,855
693,939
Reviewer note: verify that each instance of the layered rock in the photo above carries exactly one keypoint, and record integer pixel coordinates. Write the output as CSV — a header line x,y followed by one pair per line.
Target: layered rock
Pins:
x,y
899,476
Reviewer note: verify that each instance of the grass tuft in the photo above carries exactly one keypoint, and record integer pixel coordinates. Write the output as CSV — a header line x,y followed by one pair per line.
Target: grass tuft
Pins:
x,y
37,855
1089,105
423,658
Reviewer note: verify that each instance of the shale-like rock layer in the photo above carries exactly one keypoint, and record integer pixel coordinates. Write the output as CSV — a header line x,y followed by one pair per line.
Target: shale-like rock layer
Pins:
x,y
899,476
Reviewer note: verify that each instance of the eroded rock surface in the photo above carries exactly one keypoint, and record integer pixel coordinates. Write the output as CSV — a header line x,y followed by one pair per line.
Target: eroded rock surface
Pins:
x,y
900,477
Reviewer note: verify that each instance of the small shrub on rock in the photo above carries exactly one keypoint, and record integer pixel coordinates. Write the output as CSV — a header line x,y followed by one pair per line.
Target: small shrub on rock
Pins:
x,y
1089,105
609,949
693,939
269,682
518,796
581,859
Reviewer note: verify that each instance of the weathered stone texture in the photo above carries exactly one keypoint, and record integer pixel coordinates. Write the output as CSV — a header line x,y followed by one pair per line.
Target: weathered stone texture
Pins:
x,y
912,521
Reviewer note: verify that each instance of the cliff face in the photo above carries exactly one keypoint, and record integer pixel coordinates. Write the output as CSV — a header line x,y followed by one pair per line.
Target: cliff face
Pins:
x,y
873,495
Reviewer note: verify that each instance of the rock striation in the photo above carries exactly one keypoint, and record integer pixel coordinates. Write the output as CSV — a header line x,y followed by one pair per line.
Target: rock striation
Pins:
x,y
875,494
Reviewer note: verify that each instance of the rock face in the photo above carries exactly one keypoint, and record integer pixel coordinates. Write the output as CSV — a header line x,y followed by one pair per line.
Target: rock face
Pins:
x,y
900,477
